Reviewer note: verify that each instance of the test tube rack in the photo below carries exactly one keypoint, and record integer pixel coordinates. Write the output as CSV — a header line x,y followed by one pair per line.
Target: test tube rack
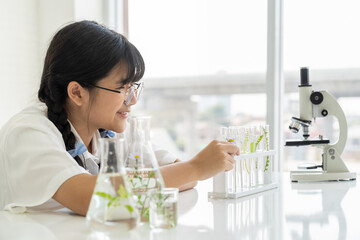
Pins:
x,y
249,176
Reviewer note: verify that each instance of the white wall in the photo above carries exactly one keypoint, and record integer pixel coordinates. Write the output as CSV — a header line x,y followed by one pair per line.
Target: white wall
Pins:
x,y
26,28
53,15
19,55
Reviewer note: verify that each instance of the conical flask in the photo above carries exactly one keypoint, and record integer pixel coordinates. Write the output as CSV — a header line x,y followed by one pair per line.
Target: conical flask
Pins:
x,y
141,165
112,207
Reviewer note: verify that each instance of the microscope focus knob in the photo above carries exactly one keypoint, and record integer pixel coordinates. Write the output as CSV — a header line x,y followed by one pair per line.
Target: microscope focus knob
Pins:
x,y
332,151
316,98
324,112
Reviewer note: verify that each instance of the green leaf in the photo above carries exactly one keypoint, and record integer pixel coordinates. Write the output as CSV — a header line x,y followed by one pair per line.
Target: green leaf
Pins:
x,y
122,192
129,208
252,147
104,195
246,140
111,202
258,141
146,213
267,164
152,174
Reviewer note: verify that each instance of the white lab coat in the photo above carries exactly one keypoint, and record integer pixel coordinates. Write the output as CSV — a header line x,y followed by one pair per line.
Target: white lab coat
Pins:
x,y
34,162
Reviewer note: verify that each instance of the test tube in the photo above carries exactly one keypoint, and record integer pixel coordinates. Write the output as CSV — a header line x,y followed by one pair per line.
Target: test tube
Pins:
x,y
260,138
260,170
252,160
267,159
238,168
245,164
260,146
266,133
223,133
232,137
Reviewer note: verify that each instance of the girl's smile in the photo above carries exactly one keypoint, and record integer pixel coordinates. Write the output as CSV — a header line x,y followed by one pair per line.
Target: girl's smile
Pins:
x,y
123,114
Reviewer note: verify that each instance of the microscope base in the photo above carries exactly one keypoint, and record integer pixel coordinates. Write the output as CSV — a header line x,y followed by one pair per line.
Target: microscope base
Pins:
x,y
316,175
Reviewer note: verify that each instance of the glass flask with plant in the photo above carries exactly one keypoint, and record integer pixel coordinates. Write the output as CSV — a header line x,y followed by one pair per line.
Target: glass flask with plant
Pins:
x,y
141,165
112,208
163,208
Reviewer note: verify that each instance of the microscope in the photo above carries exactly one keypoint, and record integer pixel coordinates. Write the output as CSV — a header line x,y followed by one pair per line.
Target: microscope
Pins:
x,y
320,104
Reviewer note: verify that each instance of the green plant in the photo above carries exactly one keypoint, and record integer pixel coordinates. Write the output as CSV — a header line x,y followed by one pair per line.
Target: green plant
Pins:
x,y
163,209
244,146
115,201
141,185
254,145
267,149
245,142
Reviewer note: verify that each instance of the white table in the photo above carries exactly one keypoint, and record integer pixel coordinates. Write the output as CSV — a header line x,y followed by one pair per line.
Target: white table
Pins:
x,y
328,210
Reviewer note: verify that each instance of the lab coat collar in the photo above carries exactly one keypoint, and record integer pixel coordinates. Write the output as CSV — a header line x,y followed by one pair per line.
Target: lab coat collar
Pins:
x,y
89,158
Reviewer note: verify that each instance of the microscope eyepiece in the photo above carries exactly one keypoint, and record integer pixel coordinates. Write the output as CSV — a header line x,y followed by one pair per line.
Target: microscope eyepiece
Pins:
x,y
304,77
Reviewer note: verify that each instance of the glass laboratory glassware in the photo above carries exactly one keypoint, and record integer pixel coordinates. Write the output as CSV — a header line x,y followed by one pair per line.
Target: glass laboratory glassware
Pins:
x,y
141,166
260,139
164,208
230,176
112,208
268,165
224,133
256,145
252,161
266,133
245,163
240,136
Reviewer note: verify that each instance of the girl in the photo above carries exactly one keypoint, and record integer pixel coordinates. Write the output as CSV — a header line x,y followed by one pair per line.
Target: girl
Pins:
x,y
48,152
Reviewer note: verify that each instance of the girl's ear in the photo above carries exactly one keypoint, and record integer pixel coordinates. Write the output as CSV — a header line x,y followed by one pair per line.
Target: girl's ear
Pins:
x,y
77,94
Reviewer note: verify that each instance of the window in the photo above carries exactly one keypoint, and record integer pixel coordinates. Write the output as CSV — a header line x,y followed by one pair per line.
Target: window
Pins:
x,y
205,67
322,35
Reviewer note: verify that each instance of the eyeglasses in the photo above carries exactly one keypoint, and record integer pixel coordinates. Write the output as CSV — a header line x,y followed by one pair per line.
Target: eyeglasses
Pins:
x,y
134,90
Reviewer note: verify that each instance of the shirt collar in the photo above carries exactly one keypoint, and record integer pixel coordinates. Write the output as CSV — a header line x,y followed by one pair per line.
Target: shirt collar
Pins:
x,y
95,155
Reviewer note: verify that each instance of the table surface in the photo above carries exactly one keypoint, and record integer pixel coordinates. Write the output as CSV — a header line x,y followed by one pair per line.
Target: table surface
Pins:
x,y
323,210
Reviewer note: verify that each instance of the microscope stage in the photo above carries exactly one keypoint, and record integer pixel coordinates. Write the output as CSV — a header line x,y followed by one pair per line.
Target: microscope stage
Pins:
x,y
297,143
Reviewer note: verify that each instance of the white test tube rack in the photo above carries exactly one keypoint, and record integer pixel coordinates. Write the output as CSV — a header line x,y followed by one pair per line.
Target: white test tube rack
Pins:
x,y
223,180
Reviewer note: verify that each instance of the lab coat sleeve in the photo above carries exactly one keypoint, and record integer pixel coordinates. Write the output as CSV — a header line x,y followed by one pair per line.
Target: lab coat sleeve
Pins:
x,y
163,156
37,164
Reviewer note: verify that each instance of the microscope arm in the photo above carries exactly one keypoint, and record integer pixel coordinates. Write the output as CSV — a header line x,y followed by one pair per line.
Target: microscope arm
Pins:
x,y
324,104
330,107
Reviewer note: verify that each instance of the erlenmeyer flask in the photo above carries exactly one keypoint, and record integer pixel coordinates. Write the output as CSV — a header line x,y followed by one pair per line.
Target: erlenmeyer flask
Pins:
x,y
112,207
141,165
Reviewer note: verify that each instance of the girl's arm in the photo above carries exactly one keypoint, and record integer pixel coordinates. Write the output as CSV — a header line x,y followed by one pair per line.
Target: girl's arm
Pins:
x,y
75,193
214,158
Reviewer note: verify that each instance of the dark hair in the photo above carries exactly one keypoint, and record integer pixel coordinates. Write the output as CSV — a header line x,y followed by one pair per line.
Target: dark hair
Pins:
x,y
84,52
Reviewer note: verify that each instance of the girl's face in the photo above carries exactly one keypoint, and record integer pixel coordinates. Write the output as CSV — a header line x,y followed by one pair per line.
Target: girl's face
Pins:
x,y
107,109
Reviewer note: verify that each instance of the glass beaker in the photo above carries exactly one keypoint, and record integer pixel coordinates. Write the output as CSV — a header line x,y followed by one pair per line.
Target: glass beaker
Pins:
x,y
112,208
141,165
164,208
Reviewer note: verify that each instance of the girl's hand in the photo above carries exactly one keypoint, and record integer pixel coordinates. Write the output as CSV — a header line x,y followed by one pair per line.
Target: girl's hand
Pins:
x,y
214,158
